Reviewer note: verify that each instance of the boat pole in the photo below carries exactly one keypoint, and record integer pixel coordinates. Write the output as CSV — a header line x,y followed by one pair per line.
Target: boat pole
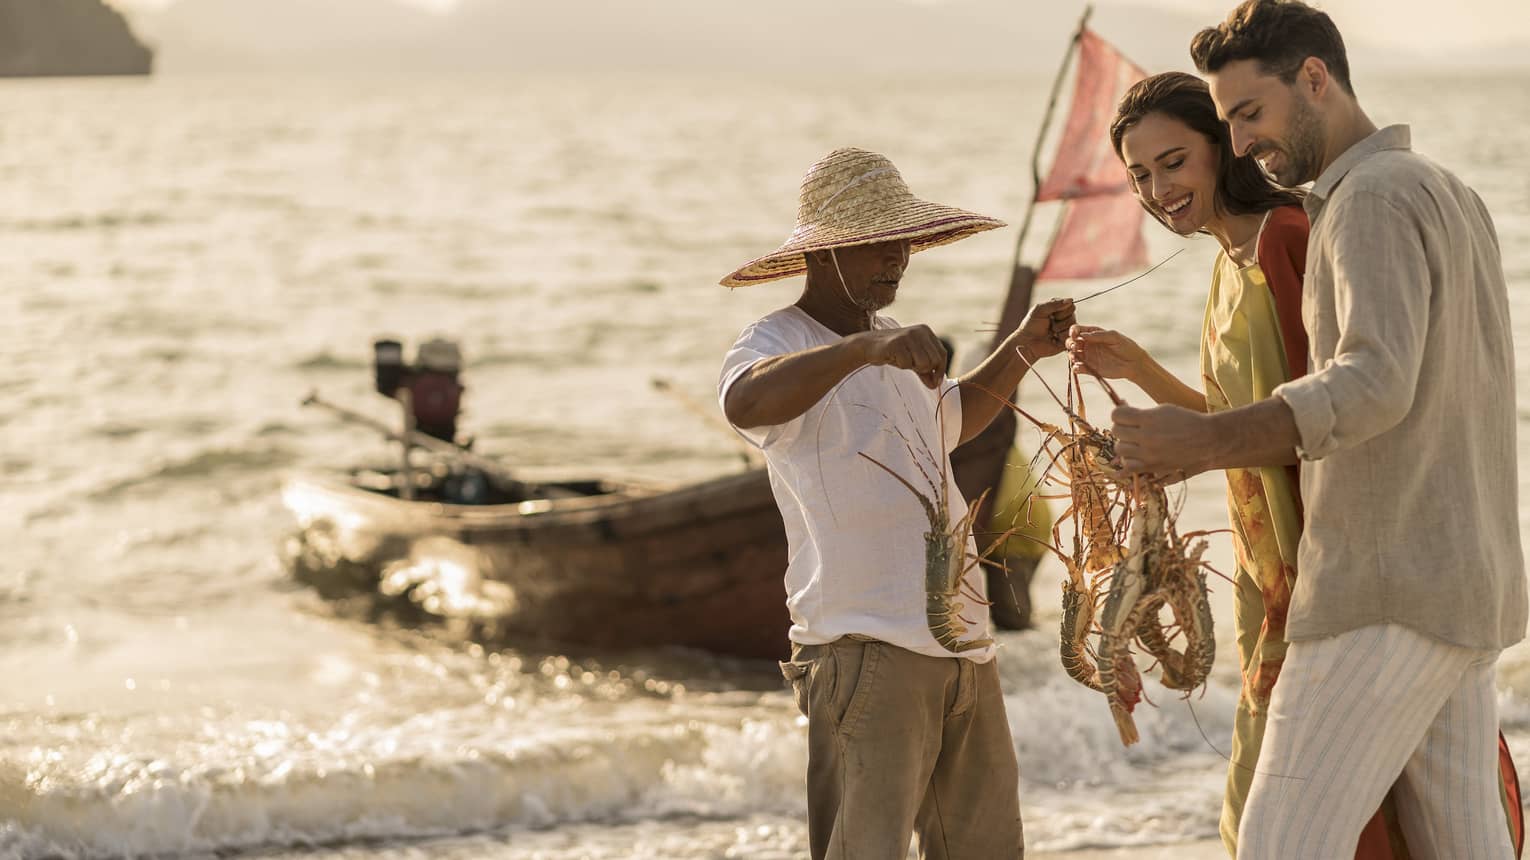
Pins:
x,y
444,448
979,464
1041,136
406,470
750,454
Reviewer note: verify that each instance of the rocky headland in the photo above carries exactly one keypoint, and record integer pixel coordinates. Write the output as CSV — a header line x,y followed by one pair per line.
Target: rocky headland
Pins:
x,y
42,38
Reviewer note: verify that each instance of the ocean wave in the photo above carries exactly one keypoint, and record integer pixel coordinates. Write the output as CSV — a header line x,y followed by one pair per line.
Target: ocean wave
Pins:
x,y
527,358
1065,736
471,291
327,360
87,222
277,428
203,464
406,782
15,589
185,425
471,771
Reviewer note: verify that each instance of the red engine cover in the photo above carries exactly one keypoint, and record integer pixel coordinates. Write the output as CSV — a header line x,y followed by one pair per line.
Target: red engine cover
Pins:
x,y
436,398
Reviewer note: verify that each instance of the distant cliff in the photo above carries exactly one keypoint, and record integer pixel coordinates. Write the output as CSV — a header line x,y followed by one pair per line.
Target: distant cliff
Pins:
x,y
68,37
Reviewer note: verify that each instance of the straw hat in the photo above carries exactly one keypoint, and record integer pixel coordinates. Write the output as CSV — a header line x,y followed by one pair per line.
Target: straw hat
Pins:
x,y
855,197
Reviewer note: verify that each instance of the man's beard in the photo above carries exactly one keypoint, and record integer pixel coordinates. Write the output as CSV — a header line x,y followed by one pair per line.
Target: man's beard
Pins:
x,y
1303,148
866,303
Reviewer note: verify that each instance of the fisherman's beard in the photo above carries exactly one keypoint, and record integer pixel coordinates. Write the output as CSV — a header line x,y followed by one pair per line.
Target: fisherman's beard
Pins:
x,y
871,304
865,302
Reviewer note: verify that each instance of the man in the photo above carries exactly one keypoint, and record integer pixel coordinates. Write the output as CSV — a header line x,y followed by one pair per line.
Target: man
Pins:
x,y
1412,577
905,734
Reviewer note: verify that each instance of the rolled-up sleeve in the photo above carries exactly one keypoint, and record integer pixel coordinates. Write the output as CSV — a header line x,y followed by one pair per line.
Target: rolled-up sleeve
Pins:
x,y
764,339
1380,299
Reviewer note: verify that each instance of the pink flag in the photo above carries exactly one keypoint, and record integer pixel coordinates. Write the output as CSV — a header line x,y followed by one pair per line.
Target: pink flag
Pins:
x,y
1101,231
1100,237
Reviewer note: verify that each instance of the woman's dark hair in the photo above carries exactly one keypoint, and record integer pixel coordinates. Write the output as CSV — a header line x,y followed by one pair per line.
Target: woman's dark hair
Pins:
x,y
1242,188
1279,34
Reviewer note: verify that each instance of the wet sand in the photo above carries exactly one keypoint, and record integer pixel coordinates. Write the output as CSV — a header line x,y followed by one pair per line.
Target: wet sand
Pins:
x,y
1210,849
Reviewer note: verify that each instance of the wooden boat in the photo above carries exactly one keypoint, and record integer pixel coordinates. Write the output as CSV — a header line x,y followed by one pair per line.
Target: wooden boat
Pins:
x,y
600,564
606,566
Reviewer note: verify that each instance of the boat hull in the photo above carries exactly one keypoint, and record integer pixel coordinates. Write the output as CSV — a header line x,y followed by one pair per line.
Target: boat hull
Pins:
x,y
700,565
697,566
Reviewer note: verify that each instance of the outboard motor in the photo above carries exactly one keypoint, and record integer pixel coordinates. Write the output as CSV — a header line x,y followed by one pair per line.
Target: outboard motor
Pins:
x,y
435,392
388,365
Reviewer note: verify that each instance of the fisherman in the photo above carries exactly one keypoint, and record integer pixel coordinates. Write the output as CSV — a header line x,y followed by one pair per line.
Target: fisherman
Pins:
x,y
854,413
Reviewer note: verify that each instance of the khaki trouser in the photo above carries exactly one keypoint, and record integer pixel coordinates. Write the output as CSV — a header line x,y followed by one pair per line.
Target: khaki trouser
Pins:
x,y
900,743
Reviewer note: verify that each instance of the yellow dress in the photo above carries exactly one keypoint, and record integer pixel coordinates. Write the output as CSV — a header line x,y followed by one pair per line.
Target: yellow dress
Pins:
x,y
1242,361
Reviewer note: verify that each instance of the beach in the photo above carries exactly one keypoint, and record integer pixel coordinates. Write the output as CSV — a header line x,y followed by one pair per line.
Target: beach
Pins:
x,y
1203,850
188,257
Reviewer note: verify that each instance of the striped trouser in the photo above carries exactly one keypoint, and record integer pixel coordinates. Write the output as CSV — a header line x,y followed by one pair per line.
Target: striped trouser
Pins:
x,y
1355,713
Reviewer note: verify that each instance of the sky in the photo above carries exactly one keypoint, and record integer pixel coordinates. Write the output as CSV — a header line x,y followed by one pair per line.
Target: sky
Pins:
x,y
1404,22
1412,23
686,35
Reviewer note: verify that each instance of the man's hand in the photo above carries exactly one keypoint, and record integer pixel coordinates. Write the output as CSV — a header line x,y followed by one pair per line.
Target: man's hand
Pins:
x,y
1168,441
1044,331
913,348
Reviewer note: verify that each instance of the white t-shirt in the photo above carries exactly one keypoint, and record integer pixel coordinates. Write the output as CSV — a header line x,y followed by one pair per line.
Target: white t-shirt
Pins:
x,y
855,536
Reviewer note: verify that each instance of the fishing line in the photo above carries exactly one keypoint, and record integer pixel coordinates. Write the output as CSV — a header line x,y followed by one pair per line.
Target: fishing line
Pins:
x,y
1229,760
1139,277
991,327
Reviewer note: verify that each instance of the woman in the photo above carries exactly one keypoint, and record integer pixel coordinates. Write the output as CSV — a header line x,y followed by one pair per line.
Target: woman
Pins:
x,y
1183,169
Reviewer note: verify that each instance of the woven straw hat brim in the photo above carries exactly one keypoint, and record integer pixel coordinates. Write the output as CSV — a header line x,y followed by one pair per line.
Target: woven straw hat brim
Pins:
x,y
924,224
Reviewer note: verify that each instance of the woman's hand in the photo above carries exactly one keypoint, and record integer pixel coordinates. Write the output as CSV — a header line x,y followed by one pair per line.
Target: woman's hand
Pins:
x,y
1105,353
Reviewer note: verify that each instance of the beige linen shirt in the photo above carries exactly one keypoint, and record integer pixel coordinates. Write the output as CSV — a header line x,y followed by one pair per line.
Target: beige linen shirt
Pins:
x,y
1407,422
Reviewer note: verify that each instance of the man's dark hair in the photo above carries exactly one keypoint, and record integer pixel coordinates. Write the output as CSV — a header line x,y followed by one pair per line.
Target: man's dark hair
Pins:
x,y
1279,34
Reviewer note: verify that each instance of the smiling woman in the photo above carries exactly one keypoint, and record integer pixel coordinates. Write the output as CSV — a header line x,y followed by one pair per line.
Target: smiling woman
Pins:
x,y
1179,158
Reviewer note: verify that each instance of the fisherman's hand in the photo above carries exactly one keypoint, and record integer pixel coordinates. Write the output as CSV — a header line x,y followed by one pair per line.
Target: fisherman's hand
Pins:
x,y
1169,442
913,348
1044,331
1104,353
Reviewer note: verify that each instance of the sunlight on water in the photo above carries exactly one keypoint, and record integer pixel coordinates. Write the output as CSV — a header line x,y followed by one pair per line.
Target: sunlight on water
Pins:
x,y
189,258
